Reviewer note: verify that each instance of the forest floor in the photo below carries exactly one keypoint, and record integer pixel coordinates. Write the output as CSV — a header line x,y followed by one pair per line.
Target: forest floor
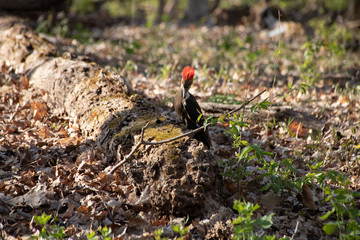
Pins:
x,y
298,164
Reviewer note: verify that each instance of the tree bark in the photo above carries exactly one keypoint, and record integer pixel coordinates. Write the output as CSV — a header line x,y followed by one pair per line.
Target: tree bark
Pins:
x,y
92,96
353,11
196,10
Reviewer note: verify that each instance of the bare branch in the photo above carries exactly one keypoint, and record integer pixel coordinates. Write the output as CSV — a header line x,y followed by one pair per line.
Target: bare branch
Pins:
x,y
202,127
246,103
141,141
177,137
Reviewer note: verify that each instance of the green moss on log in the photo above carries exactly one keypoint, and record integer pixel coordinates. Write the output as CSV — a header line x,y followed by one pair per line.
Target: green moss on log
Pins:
x,y
160,133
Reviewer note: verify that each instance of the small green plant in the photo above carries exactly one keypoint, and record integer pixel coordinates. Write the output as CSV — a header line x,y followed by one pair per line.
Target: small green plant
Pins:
x,y
129,68
347,214
271,125
264,104
131,46
104,231
282,175
60,28
227,99
44,26
158,233
235,168
287,127
245,226
81,33
165,71
182,231
309,70
49,228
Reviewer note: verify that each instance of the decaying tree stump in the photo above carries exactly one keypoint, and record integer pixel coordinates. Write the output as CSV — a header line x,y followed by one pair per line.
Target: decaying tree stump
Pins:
x,y
180,178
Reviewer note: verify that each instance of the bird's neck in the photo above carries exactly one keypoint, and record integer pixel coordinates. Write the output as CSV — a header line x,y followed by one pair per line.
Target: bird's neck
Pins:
x,y
185,91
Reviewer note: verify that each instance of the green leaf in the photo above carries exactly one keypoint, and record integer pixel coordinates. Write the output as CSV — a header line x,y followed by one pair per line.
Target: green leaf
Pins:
x,y
259,153
333,175
354,213
354,226
316,166
327,214
92,236
266,187
235,131
356,194
253,108
44,233
199,118
222,119
264,104
184,231
105,231
158,233
244,143
265,221
245,151
57,232
43,219
329,227
267,237
176,228
289,165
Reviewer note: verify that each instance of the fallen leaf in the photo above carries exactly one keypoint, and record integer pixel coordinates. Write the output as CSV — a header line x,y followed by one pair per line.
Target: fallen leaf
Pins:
x,y
45,133
39,110
297,129
344,100
270,200
34,198
82,209
308,198
69,212
24,82
69,141
101,215
160,221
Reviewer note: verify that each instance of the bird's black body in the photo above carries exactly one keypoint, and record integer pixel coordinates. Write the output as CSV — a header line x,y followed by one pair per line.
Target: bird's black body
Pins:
x,y
188,110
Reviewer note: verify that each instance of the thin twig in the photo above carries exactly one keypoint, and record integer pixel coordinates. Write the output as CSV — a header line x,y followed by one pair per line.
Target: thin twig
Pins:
x,y
24,214
246,103
177,137
296,229
141,141
202,127
133,150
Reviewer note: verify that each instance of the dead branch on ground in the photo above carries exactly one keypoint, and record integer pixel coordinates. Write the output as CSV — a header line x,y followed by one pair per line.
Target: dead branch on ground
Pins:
x,y
142,142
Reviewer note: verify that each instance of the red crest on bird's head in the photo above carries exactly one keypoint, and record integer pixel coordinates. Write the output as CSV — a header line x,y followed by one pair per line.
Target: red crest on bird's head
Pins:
x,y
188,73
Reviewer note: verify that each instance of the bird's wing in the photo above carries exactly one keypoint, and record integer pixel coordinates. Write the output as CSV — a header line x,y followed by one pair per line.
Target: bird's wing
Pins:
x,y
193,110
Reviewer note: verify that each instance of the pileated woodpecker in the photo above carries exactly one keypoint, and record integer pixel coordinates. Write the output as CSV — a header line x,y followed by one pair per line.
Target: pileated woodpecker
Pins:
x,y
188,109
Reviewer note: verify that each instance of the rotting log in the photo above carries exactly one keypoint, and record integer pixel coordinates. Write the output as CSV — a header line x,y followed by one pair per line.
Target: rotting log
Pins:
x,y
180,178
90,95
